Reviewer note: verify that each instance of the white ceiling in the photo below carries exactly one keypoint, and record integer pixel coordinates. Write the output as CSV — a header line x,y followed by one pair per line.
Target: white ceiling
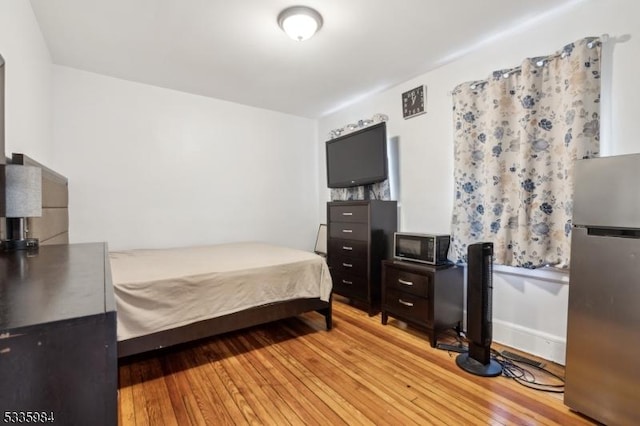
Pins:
x,y
234,49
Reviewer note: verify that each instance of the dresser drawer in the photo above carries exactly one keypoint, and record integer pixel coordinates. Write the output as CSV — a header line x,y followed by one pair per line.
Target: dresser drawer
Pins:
x,y
349,231
351,248
408,282
407,305
349,286
349,213
349,265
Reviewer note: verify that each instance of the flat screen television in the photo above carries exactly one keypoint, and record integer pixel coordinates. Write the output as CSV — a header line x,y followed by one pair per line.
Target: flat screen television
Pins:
x,y
359,158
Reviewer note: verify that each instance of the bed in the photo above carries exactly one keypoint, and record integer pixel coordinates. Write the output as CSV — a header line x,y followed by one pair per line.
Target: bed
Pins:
x,y
173,296
170,296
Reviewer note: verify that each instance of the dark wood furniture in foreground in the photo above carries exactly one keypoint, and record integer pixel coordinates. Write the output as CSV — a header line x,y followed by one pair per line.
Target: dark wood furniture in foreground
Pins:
x,y
58,335
360,236
427,296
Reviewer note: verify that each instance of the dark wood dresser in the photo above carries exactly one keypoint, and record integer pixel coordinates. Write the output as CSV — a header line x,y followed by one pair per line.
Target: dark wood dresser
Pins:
x,y
427,296
360,236
58,360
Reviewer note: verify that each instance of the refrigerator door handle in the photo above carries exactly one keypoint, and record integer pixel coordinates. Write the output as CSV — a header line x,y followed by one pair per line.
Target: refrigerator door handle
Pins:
x,y
614,232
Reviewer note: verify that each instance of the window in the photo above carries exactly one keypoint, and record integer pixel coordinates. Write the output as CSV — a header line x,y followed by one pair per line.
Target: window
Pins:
x,y
516,137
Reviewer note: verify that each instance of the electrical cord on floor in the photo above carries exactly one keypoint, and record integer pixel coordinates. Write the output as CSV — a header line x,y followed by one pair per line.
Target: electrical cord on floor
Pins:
x,y
525,377
511,368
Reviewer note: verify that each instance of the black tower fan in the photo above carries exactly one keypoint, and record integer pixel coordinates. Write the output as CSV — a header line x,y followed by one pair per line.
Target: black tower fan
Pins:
x,y
479,292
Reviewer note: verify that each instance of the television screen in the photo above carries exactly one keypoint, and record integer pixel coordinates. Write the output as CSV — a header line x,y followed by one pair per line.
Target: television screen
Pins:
x,y
359,158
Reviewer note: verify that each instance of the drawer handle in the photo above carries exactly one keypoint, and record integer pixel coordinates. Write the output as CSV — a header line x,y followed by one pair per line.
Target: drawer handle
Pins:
x,y
401,281
347,231
347,282
347,214
347,248
409,304
347,265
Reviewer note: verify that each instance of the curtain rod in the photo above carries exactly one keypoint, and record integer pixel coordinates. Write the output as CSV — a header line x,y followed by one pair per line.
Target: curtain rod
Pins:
x,y
540,60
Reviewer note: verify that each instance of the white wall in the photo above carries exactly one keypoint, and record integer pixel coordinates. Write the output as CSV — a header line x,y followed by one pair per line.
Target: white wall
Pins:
x,y
529,312
27,82
151,167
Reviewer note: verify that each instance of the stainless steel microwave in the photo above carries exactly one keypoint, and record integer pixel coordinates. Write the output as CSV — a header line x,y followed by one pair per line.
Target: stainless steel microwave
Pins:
x,y
424,248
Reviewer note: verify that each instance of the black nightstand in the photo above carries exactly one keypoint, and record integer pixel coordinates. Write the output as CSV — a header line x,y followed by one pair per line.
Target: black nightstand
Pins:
x,y
430,297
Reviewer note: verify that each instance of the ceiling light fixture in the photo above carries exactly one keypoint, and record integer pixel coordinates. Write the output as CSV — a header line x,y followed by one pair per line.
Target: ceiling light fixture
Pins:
x,y
300,22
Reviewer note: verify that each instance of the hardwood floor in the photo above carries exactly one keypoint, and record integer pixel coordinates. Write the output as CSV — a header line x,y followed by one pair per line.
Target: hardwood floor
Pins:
x,y
294,372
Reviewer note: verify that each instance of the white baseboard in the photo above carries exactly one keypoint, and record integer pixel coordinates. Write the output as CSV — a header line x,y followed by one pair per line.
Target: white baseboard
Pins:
x,y
543,345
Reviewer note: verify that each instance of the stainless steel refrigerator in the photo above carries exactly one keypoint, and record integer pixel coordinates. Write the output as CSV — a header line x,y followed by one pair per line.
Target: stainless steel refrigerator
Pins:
x,y
603,330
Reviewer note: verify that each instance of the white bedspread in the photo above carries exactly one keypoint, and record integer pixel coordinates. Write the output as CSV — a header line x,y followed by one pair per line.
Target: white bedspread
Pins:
x,y
161,289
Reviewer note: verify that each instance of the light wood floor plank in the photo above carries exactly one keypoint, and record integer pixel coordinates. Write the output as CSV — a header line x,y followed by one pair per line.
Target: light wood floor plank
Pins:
x,y
253,387
223,383
410,364
186,403
198,378
138,399
398,391
311,401
294,372
126,410
281,399
407,365
470,388
301,365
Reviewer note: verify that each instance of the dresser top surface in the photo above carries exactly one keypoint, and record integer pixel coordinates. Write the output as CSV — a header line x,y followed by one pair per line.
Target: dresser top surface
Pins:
x,y
54,283
359,202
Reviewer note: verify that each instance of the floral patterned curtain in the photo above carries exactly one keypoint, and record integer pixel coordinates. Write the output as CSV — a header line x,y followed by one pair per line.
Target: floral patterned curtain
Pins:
x,y
516,136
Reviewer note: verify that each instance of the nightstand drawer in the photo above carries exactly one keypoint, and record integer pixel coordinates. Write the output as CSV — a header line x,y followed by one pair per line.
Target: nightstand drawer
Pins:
x,y
417,284
349,285
407,305
349,231
350,248
349,214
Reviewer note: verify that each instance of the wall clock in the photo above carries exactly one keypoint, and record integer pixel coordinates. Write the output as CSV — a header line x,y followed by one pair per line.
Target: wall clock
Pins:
x,y
413,102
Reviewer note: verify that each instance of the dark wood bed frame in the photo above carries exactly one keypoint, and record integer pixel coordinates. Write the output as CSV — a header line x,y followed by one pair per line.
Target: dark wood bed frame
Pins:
x,y
232,322
53,227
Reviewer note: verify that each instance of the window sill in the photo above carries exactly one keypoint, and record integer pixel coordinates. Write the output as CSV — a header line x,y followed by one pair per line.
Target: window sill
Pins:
x,y
548,273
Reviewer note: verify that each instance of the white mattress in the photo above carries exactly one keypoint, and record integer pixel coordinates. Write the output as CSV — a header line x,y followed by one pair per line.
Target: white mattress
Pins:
x,y
161,289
